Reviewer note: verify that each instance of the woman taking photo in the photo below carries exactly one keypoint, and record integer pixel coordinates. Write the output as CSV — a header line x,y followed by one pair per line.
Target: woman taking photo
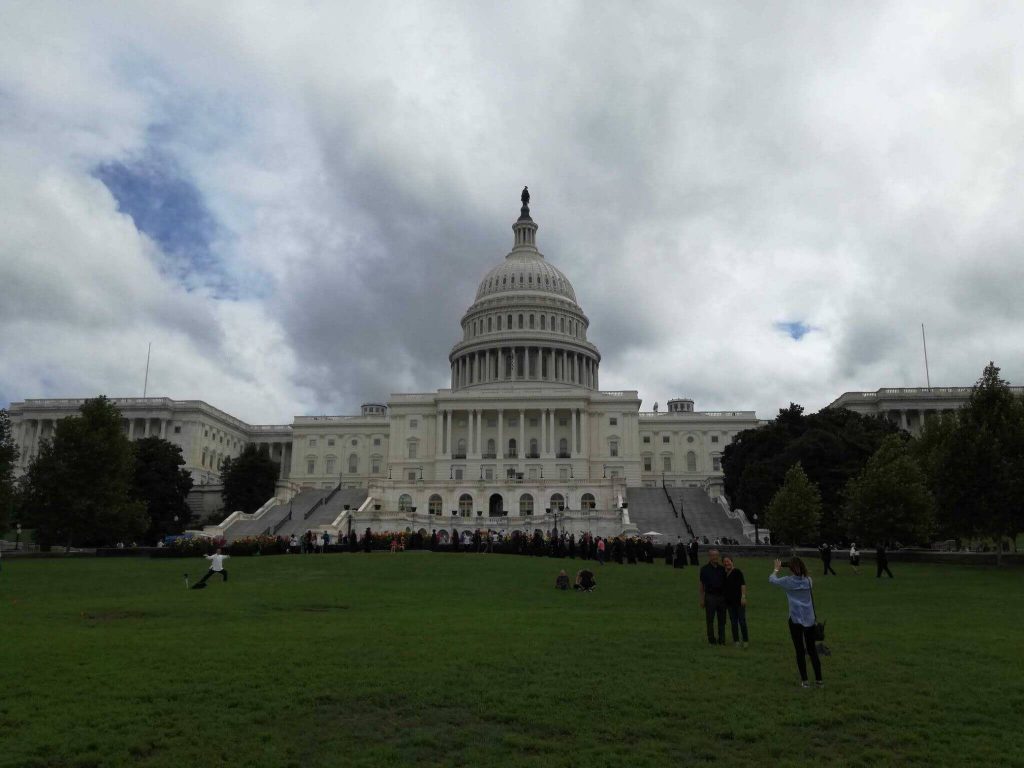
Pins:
x,y
801,616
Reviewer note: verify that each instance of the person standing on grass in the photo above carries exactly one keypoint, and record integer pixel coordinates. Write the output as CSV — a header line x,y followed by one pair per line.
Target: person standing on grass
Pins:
x,y
694,549
736,601
711,589
600,551
216,566
854,558
801,616
881,561
680,561
826,558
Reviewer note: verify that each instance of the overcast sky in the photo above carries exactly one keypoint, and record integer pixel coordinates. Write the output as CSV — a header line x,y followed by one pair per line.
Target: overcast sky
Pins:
x,y
757,203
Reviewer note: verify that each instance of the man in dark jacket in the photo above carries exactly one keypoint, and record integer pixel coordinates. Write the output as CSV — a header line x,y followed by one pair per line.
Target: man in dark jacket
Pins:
x,y
711,588
882,561
826,558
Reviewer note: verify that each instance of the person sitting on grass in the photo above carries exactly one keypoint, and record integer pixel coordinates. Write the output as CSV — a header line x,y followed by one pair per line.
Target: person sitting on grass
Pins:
x,y
562,580
585,581
216,566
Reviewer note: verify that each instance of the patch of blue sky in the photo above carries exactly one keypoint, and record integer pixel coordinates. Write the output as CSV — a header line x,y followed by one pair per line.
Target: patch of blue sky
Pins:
x,y
168,207
796,329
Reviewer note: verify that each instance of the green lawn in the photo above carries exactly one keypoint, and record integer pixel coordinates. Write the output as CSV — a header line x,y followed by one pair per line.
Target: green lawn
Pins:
x,y
424,659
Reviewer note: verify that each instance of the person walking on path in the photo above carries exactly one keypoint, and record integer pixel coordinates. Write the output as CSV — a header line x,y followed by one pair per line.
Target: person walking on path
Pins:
x,y
736,601
854,558
826,558
216,566
801,617
711,589
881,561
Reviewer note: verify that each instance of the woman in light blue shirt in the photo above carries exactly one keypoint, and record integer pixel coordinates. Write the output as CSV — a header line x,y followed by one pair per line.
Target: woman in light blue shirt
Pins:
x,y
801,616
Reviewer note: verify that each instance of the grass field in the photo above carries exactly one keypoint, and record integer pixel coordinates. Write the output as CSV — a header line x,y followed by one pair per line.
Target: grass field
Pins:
x,y
424,659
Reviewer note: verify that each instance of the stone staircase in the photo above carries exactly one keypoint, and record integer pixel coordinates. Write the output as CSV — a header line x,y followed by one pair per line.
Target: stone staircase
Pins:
x,y
323,508
706,517
651,510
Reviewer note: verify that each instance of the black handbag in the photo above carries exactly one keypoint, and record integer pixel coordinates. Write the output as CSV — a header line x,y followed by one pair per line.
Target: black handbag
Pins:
x,y
819,631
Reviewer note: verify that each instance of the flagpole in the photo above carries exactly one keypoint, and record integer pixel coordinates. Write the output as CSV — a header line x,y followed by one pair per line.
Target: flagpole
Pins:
x,y
145,384
924,343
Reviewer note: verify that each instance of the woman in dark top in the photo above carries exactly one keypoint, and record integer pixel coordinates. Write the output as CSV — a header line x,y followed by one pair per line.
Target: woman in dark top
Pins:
x,y
680,554
736,601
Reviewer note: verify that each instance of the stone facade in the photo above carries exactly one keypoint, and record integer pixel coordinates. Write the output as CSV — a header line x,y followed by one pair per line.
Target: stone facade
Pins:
x,y
908,407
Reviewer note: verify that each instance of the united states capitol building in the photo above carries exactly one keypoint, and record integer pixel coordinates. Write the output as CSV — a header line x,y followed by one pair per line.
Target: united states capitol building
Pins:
x,y
524,433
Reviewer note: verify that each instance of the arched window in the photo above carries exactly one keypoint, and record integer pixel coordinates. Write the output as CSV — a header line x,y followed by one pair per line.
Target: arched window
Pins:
x,y
353,464
531,321
465,505
499,322
489,321
434,505
543,323
520,321
509,322
587,501
404,502
563,324
691,461
490,447
512,452
552,322
557,502
460,448
563,446
526,504
204,457
330,465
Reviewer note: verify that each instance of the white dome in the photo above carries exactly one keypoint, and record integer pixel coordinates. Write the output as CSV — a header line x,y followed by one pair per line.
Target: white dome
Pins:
x,y
525,272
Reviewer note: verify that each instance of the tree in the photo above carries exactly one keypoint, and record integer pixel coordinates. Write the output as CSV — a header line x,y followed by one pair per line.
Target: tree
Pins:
x,y
159,482
794,513
8,458
249,480
78,490
890,500
979,474
832,446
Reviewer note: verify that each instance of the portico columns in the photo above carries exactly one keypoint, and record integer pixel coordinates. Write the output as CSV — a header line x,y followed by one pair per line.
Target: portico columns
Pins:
x,y
903,419
522,433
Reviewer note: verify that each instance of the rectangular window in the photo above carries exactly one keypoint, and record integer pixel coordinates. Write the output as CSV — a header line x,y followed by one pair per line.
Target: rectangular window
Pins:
x,y
532,473
413,423
412,450
458,473
563,422
311,466
613,421
533,422
330,441
613,448
177,430
513,421
312,442
330,466
665,439
716,462
647,464
376,441
563,473
647,439
666,463
412,476
375,466
714,438
488,473
614,472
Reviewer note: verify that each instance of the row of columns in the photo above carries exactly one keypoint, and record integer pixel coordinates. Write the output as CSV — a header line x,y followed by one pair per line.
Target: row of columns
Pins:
x,y
524,363
280,452
474,432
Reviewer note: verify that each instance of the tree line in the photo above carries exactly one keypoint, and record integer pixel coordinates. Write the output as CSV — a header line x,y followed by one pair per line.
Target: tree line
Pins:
x,y
89,485
837,475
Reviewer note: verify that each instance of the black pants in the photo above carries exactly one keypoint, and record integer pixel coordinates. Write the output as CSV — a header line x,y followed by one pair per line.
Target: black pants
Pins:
x,y
738,622
828,568
210,573
714,608
883,566
803,644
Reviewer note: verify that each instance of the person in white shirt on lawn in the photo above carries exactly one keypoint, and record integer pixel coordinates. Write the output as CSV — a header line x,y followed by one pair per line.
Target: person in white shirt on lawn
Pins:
x,y
216,566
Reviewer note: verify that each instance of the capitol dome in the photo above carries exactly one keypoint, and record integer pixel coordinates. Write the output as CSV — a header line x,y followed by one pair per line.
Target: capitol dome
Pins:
x,y
525,324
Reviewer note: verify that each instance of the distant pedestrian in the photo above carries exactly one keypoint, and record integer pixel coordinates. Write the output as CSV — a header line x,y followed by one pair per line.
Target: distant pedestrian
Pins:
x,y
293,544
736,601
600,551
826,558
693,549
801,616
881,561
216,566
680,560
711,589
854,558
